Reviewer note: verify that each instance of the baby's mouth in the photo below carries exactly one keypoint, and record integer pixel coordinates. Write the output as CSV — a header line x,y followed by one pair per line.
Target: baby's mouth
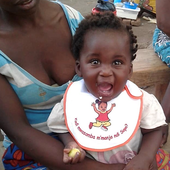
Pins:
x,y
23,3
104,89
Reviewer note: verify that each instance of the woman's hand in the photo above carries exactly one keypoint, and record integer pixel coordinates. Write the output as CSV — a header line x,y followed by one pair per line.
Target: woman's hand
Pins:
x,y
153,166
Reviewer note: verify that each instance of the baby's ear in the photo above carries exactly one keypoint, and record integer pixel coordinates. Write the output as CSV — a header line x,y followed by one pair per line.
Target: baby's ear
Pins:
x,y
77,68
130,71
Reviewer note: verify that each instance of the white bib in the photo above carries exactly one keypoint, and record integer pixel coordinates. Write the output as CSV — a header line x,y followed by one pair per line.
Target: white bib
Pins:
x,y
102,131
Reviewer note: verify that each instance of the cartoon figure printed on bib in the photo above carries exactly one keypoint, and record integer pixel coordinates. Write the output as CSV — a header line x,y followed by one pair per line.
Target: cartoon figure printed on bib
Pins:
x,y
102,120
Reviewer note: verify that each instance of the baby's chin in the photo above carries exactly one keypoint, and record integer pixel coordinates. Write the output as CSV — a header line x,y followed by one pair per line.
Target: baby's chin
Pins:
x,y
104,98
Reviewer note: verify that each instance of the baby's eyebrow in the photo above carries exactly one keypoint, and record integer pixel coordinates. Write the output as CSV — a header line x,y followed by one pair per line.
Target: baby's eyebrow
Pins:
x,y
93,54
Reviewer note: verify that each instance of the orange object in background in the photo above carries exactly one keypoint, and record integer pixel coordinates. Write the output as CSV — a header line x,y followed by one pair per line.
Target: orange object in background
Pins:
x,y
148,5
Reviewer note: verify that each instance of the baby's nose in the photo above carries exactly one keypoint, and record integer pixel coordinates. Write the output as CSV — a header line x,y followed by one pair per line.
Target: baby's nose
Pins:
x,y
106,70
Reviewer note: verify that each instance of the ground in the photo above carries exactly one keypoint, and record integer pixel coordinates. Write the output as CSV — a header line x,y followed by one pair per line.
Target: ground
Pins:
x,y
144,33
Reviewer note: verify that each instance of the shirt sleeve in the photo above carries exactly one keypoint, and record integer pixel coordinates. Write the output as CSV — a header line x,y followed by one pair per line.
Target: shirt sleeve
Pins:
x,y
56,121
152,114
73,17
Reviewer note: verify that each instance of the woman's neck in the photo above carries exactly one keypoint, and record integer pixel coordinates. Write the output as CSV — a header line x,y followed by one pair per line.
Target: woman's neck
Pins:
x,y
29,18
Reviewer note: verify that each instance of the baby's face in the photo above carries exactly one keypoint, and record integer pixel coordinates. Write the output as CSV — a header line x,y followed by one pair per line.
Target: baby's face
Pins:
x,y
105,63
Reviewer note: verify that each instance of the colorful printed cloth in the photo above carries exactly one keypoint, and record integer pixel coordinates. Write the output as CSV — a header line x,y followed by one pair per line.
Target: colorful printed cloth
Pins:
x,y
15,159
161,45
163,159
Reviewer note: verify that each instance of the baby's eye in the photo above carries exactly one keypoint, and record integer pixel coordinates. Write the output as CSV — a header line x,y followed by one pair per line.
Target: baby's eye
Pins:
x,y
94,62
117,62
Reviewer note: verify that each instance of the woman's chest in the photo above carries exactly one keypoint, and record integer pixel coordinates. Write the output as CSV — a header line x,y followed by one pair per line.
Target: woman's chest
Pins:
x,y
45,56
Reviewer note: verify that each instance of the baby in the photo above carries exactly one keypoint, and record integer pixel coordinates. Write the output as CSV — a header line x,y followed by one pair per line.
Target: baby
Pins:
x,y
126,126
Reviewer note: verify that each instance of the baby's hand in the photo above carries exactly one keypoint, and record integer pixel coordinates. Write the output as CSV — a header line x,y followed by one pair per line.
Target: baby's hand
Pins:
x,y
73,154
165,135
153,166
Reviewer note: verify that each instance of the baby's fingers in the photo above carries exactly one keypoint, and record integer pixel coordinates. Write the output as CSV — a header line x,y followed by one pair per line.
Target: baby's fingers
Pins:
x,y
66,158
77,155
76,158
82,155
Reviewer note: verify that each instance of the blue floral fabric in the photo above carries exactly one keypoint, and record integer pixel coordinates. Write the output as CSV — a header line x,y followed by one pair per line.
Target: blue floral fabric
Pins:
x,y
161,45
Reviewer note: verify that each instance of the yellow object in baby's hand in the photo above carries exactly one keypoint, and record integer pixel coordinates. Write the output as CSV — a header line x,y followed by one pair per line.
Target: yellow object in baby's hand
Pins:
x,y
73,152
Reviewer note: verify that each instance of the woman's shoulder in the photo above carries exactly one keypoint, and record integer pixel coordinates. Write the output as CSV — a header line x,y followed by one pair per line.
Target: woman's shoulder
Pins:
x,y
73,16
70,11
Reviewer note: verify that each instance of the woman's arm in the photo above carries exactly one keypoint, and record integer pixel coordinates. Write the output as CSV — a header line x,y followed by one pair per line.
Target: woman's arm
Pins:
x,y
166,107
162,15
151,142
163,23
41,147
165,103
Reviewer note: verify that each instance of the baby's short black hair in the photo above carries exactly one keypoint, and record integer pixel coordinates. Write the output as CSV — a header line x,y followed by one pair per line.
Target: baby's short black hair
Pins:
x,y
106,20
